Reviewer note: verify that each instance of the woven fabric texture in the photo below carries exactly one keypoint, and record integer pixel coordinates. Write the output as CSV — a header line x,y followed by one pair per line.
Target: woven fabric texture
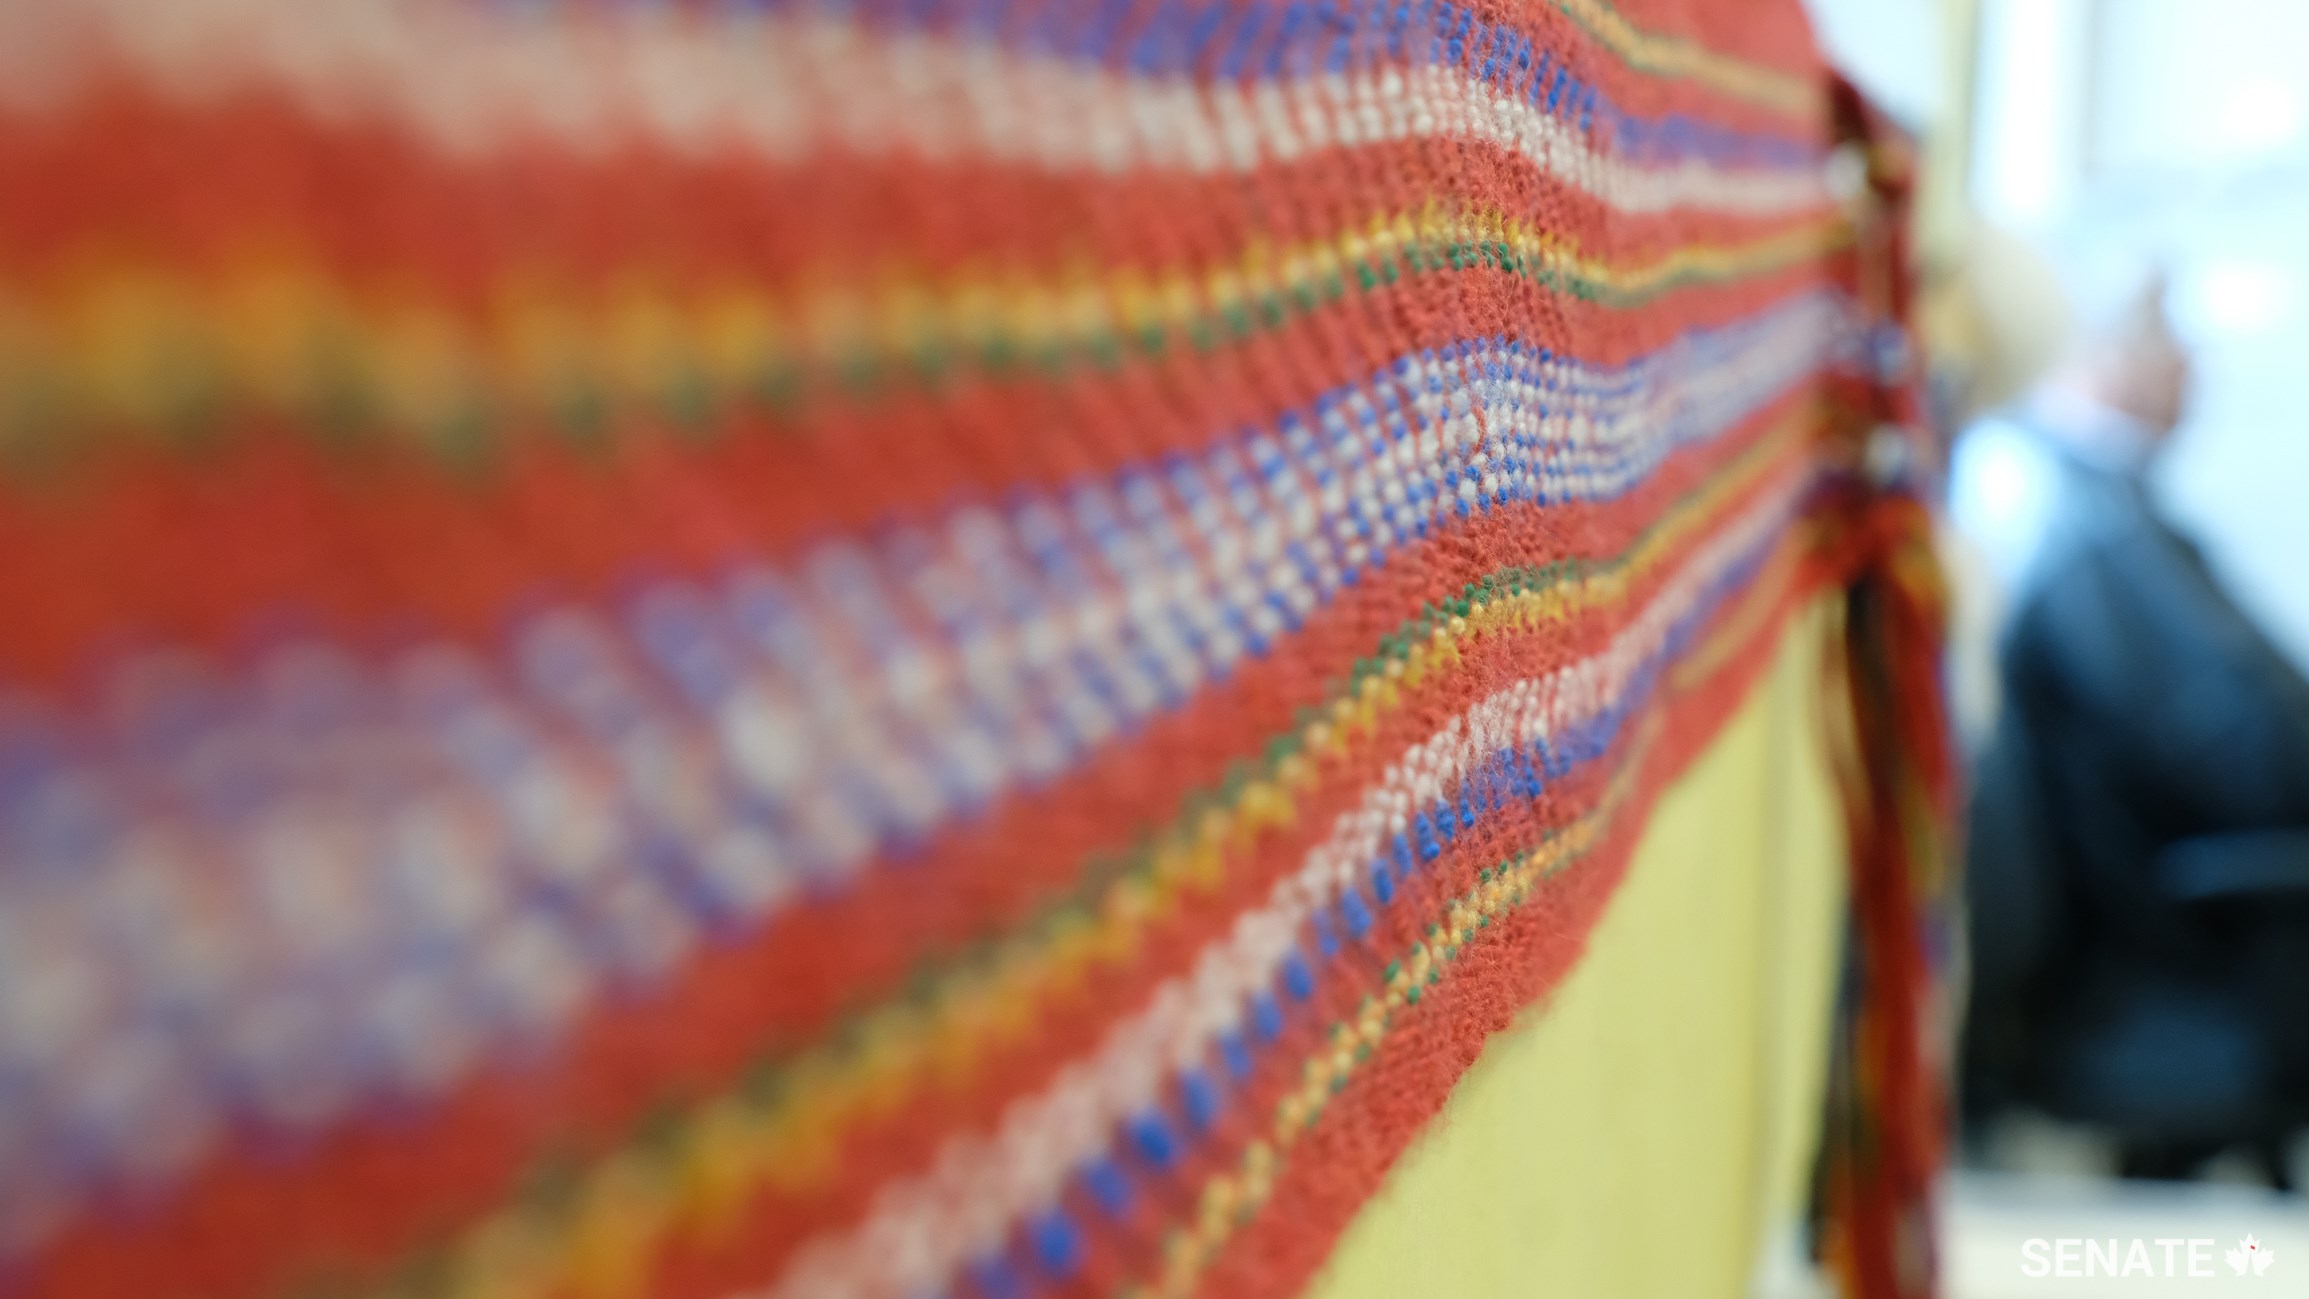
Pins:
x,y
1648,1127
883,649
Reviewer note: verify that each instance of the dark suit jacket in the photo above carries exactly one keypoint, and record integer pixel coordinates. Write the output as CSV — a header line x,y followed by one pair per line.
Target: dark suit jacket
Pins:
x,y
2142,710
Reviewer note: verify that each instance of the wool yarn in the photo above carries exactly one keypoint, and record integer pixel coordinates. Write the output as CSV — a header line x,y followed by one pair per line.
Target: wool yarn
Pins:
x,y
968,648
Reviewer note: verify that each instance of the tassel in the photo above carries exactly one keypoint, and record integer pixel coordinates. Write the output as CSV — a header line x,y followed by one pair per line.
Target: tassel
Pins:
x,y
1885,1131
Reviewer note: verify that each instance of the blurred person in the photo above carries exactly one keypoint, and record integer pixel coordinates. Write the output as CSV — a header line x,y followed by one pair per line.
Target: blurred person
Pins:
x,y
1994,320
2139,856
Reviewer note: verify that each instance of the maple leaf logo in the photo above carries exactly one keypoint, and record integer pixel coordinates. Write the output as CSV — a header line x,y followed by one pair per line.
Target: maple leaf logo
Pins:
x,y
2250,1255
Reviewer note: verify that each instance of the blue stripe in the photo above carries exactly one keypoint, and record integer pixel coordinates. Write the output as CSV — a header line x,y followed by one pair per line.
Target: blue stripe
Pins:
x,y
1272,39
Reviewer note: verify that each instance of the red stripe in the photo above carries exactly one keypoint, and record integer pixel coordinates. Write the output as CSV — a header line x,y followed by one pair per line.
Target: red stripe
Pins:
x,y
1776,36
375,1187
126,176
139,544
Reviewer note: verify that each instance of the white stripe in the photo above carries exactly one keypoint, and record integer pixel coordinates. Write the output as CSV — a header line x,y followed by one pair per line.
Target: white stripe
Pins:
x,y
481,79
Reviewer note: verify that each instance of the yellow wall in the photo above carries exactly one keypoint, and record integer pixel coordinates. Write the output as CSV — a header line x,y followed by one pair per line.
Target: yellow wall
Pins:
x,y
1637,1134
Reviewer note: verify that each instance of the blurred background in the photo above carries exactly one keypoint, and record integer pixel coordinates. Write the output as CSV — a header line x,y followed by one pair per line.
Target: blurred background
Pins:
x,y
2109,131
2076,150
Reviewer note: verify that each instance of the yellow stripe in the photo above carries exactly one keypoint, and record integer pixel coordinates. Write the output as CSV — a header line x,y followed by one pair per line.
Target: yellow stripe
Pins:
x,y
1673,56
114,345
